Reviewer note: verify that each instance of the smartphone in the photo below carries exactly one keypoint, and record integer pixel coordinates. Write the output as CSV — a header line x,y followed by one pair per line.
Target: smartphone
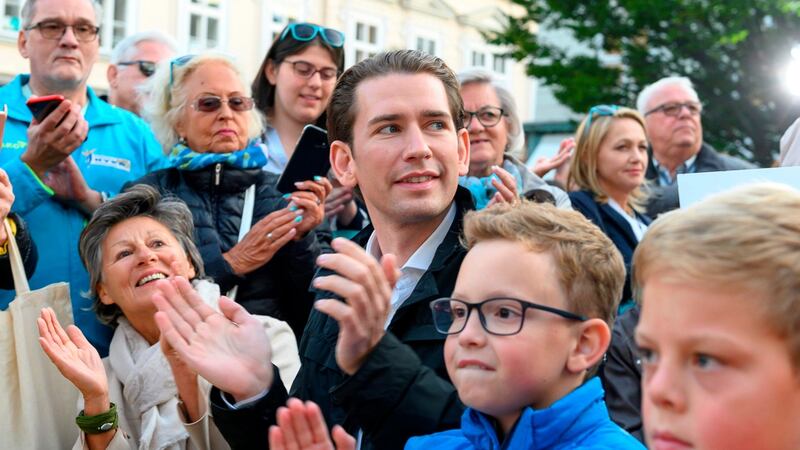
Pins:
x,y
41,107
310,159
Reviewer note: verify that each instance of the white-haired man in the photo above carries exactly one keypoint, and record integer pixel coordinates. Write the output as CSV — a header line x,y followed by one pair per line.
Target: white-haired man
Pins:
x,y
672,112
133,60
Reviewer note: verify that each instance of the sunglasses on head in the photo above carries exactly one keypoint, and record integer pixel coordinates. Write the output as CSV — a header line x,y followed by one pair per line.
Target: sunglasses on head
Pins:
x,y
308,31
599,110
147,68
178,62
212,103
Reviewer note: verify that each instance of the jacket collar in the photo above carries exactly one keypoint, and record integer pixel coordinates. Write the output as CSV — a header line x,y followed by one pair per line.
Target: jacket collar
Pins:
x,y
567,420
97,113
228,180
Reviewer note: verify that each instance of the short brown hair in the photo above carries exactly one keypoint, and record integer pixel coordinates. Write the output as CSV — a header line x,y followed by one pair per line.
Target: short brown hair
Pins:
x,y
583,170
589,267
747,238
342,109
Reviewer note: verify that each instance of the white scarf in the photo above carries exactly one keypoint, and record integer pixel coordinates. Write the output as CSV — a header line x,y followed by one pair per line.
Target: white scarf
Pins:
x,y
149,390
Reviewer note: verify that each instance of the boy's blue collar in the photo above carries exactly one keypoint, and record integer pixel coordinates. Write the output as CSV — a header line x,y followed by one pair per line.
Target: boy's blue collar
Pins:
x,y
565,420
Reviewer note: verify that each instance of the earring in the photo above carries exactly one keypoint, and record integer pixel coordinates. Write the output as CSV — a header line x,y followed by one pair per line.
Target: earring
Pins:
x,y
182,140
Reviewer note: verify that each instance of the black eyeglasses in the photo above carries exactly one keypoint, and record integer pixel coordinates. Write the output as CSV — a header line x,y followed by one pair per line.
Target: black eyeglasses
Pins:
x,y
304,32
305,69
147,68
673,109
211,103
53,29
501,316
488,116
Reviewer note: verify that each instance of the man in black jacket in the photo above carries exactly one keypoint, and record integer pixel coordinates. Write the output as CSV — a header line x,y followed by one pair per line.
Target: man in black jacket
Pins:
x,y
672,112
373,362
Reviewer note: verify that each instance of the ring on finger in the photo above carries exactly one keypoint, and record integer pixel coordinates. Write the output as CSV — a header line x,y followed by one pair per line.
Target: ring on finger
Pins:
x,y
269,236
318,201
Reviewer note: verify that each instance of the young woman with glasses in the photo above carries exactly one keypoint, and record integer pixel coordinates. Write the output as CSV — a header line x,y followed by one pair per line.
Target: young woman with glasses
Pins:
x,y
608,169
495,131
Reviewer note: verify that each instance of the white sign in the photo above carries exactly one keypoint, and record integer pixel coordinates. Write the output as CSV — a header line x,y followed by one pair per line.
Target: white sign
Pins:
x,y
693,187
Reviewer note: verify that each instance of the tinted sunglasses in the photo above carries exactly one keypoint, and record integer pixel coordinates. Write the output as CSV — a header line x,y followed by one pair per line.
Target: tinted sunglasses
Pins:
x,y
147,68
308,31
212,103
599,110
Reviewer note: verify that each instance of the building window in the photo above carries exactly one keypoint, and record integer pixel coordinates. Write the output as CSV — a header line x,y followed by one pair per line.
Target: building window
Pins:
x,y
499,65
11,22
426,45
205,28
478,59
115,23
367,40
491,59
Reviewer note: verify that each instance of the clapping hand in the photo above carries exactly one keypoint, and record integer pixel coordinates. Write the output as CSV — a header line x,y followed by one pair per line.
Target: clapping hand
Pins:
x,y
229,349
76,359
366,286
506,186
544,165
302,427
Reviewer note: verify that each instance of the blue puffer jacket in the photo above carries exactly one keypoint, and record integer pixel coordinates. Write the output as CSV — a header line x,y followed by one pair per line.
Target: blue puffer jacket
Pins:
x,y
119,147
579,420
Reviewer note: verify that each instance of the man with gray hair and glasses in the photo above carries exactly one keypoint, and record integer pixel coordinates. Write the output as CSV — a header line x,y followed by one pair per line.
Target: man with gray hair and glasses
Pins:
x,y
134,60
672,112
65,163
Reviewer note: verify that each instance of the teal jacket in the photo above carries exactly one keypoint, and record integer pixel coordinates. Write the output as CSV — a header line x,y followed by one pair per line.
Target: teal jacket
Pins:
x,y
577,421
120,147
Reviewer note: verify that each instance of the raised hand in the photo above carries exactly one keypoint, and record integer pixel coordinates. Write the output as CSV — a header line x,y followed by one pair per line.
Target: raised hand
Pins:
x,y
302,427
311,199
366,287
229,349
264,239
6,200
506,186
55,138
544,165
76,359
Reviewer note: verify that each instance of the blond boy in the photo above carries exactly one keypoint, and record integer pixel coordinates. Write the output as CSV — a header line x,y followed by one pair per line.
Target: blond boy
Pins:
x,y
719,332
527,324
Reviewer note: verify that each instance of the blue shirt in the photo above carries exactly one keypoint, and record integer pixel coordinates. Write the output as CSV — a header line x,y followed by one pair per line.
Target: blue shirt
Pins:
x,y
578,420
119,147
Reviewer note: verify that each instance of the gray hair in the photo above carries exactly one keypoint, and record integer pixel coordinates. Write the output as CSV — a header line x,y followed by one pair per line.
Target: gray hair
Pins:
x,y
29,10
515,136
168,97
647,93
138,201
126,47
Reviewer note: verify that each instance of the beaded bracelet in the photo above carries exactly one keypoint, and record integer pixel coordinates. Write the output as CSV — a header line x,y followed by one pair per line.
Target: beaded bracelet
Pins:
x,y
99,423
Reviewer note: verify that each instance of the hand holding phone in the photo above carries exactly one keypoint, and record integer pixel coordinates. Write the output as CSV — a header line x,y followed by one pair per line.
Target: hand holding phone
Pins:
x,y
311,158
54,138
41,107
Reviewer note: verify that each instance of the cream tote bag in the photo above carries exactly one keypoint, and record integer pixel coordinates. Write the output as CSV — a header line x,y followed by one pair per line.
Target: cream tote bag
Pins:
x,y
37,404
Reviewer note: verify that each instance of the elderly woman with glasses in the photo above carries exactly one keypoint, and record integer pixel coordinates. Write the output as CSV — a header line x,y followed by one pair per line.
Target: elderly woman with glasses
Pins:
x,y
608,168
141,396
257,244
495,131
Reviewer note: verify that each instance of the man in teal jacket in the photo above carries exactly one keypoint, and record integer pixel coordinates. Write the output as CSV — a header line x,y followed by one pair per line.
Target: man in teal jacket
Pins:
x,y
63,167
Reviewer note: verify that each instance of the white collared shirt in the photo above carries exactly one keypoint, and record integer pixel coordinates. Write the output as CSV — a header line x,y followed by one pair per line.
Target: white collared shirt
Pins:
x,y
638,227
417,264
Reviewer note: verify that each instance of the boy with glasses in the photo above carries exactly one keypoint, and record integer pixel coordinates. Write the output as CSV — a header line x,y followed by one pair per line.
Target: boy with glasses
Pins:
x,y
64,165
522,350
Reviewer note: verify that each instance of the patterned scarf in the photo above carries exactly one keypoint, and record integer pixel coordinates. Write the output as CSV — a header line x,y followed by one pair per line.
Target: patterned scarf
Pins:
x,y
184,158
482,189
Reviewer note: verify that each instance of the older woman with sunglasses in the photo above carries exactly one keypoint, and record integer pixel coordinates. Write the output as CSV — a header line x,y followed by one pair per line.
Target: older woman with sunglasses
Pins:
x,y
608,168
495,130
257,245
